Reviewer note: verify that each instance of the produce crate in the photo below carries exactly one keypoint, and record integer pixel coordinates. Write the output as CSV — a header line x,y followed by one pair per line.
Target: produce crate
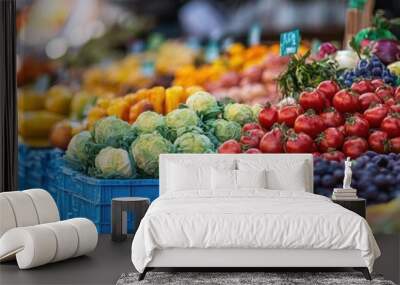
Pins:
x,y
83,196
34,164
39,168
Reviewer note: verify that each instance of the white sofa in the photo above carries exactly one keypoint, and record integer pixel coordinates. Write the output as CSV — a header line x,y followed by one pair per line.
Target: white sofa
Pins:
x,y
31,231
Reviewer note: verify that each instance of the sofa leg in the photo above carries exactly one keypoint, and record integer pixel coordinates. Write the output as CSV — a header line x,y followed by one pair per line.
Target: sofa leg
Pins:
x,y
364,271
143,274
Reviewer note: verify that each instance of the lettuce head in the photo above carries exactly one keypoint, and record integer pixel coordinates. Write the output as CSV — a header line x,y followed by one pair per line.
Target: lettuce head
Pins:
x,y
113,163
239,113
146,150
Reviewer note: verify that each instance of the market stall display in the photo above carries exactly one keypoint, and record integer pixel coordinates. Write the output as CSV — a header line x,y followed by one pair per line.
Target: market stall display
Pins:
x,y
246,75
40,112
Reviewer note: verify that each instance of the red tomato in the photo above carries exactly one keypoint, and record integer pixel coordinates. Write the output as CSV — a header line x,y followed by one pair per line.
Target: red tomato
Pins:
x,y
312,99
385,92
379,141
299,143
272,142
330,139
314,147
316,154
327,102
374,115
309,123
395,108
333,155
249,141
377,83
328,88
397,93
346,101
268,116
288,114
342,129
356,126
230,146
362,86
250,126
256,133
331,118
367,99
395,145
389,101
353,147
253,150
391,125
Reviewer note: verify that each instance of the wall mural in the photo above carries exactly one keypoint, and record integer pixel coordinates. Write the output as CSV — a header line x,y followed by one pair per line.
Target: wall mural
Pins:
x,y
93,121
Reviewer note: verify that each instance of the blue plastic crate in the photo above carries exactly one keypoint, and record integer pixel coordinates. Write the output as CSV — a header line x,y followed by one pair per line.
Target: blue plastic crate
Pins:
x,y
34,164
89,197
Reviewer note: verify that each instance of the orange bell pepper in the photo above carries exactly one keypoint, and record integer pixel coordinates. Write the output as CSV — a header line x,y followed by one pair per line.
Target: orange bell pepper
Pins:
x,y
157,99
138,108
120,108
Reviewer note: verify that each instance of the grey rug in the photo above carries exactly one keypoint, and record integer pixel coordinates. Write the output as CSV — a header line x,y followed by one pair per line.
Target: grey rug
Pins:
x,y
268,278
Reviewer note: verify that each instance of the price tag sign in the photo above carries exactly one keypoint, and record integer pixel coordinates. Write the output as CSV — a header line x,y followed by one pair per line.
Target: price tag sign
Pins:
x,y
289,42
254,35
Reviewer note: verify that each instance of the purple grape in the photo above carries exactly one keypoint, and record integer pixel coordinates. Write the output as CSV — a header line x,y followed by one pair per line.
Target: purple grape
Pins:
x,y
380,180
328,181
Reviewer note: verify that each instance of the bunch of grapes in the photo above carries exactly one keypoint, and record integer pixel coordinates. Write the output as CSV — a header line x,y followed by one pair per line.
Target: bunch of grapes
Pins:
x,y
372,68
375,176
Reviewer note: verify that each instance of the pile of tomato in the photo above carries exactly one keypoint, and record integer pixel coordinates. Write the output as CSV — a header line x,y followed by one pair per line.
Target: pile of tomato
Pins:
x,y
334,123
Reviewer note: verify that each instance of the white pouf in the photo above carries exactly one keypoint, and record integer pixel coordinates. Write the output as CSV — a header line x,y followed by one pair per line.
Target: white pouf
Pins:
x,y
31,232
37,245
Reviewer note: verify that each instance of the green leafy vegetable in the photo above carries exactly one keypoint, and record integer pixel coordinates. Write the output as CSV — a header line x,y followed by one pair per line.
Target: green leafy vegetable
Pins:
x,y
111,131
149,121
180,118
77,154
225,130
193,142
113,163
239,113
301,74
146,150
204,104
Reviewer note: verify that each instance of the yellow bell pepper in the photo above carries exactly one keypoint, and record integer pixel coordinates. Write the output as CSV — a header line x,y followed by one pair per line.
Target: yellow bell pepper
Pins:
x,y
119,108
191,90
103,103
95,114
157,99
173,97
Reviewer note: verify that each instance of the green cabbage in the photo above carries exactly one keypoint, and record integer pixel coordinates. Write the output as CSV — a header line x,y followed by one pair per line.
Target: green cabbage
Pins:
x,y
204,104
113,163
77,153
149,121
225,130
180,118
146,150
256,109
111,131
239,113
193,142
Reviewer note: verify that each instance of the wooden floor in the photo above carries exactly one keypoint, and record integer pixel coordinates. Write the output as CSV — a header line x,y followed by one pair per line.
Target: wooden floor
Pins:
x,y
111,259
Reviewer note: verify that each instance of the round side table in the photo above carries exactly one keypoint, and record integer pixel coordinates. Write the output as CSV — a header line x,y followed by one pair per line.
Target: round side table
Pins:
x,y
119,215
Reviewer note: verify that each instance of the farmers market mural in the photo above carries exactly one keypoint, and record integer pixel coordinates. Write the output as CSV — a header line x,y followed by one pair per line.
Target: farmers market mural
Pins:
x,y
332,103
